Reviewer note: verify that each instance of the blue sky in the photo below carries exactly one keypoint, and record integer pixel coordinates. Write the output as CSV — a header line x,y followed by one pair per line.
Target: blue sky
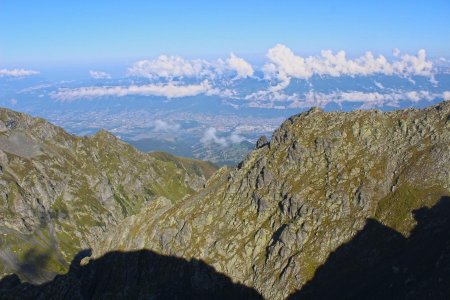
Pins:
x,y
64,32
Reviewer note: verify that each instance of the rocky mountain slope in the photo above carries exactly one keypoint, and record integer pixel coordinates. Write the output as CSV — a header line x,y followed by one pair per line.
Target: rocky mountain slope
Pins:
x,y
331,196
272,221
59,193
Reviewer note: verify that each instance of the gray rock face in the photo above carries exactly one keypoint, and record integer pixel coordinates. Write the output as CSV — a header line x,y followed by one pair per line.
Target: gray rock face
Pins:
x,y
269,223
273,220
60,193
261,142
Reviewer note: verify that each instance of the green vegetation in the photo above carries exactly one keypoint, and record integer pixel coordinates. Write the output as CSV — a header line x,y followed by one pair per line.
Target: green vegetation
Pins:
x,y
82,186
396,209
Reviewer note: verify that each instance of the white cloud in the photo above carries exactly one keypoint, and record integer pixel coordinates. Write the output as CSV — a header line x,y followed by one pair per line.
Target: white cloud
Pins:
x,y
210,136
284,64
378,85
163,126
414,96
235,138
170,67
13,101
99,75
446,95
369,99
17,72
210,78
413,65
240,66
169,90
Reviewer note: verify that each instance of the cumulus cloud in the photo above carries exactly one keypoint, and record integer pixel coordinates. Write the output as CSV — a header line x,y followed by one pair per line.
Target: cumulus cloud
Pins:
x,y
99,75
169,90
210,136
169,67
446,95
17,72
163,126
179,77
284,64
235,138
240,66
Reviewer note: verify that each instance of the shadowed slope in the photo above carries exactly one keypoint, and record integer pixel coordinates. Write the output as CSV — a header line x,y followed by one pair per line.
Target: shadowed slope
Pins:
x,y
379,263
132,275
59,193
274,220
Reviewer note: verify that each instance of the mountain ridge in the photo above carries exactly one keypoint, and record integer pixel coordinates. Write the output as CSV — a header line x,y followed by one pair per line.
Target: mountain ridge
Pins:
x,y
270,222
60,191
273,220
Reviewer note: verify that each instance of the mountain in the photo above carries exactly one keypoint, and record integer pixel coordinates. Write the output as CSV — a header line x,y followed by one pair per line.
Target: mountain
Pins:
x,y
60,193
273,220
346,205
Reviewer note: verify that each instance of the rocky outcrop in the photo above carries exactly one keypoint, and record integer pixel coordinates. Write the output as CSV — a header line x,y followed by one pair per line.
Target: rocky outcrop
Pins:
x,y
299,204
59,193
261,142
273,220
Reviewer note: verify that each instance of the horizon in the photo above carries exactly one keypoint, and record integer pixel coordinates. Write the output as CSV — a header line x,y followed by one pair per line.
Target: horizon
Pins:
x,y
253,149
179,76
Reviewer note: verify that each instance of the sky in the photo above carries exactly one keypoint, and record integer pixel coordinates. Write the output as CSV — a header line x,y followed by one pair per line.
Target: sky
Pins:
x,y
43,33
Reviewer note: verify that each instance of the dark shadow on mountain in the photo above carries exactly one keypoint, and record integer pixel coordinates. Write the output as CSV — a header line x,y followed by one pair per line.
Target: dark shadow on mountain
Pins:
x,y
131,275
380,263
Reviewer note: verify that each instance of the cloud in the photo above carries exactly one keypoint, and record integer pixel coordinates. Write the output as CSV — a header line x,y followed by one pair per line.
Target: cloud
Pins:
x,y
210,136
446,95
17,72
175,77
284,64
163,126
169,90
240,66
99,75
369,99
13,101
378,85
413,65
169,67
235,138
354,96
